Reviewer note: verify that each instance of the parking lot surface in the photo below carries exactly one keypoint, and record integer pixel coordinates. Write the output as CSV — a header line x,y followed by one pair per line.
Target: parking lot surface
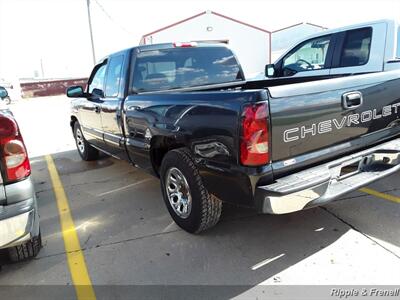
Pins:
x,y
127,237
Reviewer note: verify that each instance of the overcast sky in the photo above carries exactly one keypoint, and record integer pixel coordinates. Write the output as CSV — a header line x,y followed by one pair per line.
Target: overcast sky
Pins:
x,y
56,31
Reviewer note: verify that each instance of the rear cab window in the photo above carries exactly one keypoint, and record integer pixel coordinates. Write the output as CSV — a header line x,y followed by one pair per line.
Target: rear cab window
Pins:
x,y
356,47
174,68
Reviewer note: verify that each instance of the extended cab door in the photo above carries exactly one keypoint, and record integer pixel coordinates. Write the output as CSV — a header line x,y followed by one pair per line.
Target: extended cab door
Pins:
x,y
360,50
89,112
111,105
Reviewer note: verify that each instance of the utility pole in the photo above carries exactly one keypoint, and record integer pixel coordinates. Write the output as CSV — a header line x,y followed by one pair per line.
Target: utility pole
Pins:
x,y
41,67
90,30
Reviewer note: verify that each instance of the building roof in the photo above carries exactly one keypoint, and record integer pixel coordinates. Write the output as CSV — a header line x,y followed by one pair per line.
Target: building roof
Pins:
x,y
298,24
203,13
230,19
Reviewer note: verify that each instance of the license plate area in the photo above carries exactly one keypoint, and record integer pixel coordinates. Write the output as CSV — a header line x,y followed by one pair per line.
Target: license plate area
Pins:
x,y
380,160
349,169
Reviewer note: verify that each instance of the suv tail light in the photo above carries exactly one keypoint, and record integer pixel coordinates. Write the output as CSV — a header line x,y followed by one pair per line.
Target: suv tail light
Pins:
x,y
14,158
254,138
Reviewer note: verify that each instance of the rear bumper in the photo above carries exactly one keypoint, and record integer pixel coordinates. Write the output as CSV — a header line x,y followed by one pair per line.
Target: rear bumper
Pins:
x,y
327,182
19,221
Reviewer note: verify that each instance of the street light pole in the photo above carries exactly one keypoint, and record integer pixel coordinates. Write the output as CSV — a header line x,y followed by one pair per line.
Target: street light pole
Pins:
x,y
90,30
41,67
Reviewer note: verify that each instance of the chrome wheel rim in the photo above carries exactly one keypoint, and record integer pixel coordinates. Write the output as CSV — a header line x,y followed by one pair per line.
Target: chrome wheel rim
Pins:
x,y
178,192
79,141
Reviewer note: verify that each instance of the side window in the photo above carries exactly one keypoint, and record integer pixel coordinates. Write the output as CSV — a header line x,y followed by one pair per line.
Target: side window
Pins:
x,y
356,47
114,76
98,79
309,56
398,43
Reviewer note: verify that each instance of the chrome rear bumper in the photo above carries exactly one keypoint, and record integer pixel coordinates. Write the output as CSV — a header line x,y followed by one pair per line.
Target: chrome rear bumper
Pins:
x,y
327,182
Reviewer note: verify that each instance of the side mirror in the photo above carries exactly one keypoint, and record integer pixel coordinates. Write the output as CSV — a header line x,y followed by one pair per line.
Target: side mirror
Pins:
x,y
3,92
97,93
270,70
75,92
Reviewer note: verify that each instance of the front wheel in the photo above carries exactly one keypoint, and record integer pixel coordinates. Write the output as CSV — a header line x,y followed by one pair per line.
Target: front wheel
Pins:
x,y
85,150
188,201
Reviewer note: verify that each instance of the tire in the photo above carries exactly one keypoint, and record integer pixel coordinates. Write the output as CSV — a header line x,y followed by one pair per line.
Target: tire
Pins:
x,y
85,150
203,210
25,251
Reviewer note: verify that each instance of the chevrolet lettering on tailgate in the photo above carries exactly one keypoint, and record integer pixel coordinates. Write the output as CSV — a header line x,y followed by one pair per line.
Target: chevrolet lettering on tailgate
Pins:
x,y
322,127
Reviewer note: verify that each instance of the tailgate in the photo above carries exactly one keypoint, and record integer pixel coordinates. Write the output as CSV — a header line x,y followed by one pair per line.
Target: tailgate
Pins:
x,y
332,115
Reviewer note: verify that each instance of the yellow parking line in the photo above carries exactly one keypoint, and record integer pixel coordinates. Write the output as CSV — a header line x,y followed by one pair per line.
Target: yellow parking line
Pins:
x,y
76,260
380,195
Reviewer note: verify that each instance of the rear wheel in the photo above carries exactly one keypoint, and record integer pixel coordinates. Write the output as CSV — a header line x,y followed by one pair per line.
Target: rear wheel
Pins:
x,y
85,150
189,203
25,251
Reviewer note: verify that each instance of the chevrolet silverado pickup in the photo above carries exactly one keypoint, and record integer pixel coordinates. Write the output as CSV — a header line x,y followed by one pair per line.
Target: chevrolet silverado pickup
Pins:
x,y
324,123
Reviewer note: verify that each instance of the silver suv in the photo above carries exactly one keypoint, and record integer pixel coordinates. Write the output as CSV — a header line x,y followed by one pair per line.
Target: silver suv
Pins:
x,y
19,218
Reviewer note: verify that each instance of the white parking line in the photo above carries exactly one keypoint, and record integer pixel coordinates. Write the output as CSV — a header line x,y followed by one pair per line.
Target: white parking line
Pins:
x,y
125,187
266,262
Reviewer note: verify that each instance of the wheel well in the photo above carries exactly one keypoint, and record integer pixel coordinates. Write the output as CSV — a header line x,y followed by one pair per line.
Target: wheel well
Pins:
x,y
159,147
72,122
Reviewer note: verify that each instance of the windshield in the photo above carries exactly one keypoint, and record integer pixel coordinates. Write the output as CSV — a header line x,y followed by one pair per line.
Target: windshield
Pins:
x,y
184,67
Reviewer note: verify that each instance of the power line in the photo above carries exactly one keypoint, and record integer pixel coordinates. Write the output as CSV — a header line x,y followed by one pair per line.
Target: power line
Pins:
x,y
111,18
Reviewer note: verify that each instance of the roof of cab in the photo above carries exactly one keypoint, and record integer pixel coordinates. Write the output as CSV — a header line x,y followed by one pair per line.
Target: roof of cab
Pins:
x,y
349,27
161,46
389,22
172,45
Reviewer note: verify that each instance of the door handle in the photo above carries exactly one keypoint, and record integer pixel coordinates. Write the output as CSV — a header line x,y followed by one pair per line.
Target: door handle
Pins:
x,y
352,100
97,109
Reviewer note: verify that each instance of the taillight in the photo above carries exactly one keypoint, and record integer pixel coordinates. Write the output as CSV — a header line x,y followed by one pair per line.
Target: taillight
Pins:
x,y
254,138
14,158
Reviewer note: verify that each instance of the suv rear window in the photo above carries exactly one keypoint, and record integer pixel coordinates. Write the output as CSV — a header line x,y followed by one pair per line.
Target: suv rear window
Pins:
x,y
175,68
356,47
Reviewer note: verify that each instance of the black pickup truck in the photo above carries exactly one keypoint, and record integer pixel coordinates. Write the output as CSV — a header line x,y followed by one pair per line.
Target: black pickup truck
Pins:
x,y
185,112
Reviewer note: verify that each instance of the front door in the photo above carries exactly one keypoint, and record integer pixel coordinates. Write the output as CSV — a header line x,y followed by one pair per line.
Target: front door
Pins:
x,y
308,59
90,111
